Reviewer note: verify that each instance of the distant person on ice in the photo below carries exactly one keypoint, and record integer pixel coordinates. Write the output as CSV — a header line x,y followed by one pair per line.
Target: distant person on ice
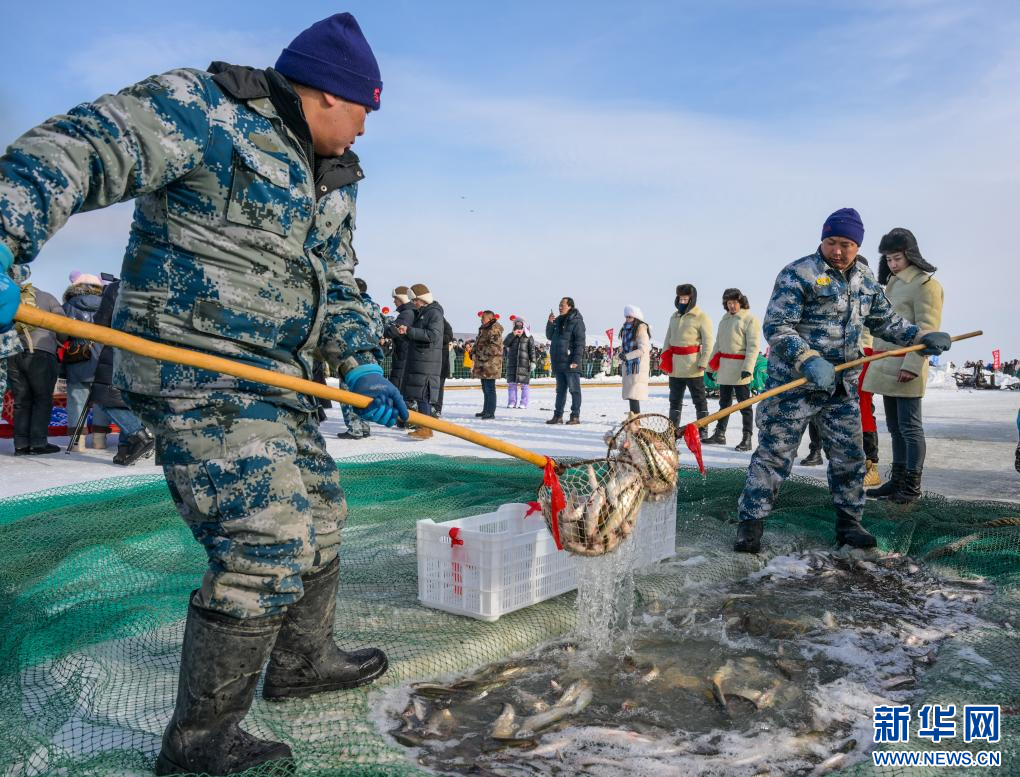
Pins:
x,y
488,361
685,354
814,321
733,360
241,247
565,333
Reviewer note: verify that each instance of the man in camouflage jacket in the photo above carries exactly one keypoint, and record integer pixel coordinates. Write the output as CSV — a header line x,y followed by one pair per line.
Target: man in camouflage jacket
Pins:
x,y
241,246
819,309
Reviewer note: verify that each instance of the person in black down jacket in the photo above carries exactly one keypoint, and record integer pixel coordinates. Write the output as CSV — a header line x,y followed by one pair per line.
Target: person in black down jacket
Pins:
x,y
424,354
447,367
566,336
405,315
520,356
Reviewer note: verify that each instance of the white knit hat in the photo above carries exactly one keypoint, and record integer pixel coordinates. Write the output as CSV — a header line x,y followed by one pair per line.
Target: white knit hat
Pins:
x,y
633,311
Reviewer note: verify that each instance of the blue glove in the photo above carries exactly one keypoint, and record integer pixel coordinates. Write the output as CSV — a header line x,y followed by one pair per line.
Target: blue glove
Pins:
x,y
387,403
819,372
937,342
6,259
10,298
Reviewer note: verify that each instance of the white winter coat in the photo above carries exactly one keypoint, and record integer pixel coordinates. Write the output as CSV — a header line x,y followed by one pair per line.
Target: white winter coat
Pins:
x,y
635,386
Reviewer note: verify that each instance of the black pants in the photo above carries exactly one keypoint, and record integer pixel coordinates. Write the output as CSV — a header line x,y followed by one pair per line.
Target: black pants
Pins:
x,y
677,387
814,435
32,377
568,381
489,396
635,405
726,394
442,390
903,419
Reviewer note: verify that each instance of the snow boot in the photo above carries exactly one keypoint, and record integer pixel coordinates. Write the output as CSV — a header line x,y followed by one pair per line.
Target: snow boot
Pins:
x,y
305,659
221,660
43,450
871,476
140,444
719,438
850,532
348,436
702,431
909,488
511,395
556,419
420,433
98,441
745,442
813,459
749,536
890,487
574,420
525,395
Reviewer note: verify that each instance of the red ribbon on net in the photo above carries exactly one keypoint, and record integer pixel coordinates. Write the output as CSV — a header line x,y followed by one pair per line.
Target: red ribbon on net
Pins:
x,y
556,502
533,507
455,561
692,436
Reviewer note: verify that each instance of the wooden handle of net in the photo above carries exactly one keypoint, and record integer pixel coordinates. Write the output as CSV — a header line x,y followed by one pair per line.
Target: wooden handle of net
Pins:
x,y
170,353
703,422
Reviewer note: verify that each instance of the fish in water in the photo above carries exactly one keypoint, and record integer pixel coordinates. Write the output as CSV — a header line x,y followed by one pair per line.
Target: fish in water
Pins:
x,y
504,727
574,700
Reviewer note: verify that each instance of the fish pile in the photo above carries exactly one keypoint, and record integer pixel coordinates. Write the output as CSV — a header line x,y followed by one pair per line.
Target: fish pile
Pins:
x,y
774,674
649,443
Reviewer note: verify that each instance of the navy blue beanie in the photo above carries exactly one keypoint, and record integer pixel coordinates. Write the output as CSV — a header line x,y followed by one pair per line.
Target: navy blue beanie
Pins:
x,y
845,222
333,56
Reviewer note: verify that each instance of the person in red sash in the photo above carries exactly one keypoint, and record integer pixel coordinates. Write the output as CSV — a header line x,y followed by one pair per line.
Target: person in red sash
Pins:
x,y
685,354
732,362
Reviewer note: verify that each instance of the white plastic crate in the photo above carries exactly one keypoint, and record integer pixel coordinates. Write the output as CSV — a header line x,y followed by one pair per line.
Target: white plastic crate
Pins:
x,y
507,561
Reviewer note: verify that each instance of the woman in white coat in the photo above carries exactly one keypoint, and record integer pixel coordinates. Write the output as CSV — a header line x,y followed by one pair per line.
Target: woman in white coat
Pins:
x,y
635,348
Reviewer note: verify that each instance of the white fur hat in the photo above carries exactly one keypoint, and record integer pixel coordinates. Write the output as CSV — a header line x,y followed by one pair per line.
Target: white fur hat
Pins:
x,y
634,311
401,294
421,291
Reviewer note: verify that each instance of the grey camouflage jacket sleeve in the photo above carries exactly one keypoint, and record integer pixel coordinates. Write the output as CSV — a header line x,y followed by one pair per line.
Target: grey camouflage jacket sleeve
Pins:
x,y
784,313
10,344
102,152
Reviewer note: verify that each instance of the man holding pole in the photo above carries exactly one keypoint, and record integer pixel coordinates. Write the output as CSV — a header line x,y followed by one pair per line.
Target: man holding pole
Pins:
x,y
241,247
819,309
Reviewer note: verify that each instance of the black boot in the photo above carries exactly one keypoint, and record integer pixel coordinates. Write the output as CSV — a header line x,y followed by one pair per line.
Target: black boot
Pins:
x,y
909,488
749,536
140,444
574,420
674,418
719,438
556,419
890,487
850,532
745,443
813,459
306,660
221,660
702,431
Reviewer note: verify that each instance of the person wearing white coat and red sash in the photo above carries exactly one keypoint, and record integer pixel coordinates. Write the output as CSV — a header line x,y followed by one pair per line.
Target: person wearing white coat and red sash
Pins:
x,y
732,361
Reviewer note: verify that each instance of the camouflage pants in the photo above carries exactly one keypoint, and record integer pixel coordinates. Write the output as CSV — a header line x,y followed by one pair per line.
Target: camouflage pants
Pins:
x,y
258,490
781,422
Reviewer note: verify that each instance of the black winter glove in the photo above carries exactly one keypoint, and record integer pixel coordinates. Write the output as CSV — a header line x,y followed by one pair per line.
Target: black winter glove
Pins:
x,y
745,374
937,342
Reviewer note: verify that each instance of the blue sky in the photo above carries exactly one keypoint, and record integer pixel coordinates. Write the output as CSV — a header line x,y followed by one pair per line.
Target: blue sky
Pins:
x,y
609,151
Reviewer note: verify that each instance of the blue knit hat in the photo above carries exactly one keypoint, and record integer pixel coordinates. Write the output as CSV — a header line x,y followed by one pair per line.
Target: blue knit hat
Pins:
x,y
845,222
333,56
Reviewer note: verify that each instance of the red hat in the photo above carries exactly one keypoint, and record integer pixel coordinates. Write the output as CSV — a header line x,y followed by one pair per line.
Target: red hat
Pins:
x,y
513,317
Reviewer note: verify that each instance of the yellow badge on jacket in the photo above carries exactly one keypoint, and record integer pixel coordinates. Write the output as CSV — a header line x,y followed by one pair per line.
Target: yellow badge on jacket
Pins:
x,y
823,280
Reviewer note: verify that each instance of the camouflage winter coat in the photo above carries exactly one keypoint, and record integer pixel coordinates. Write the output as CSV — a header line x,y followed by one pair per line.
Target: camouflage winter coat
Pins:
x,y
488,352
816,310
10,344
241,244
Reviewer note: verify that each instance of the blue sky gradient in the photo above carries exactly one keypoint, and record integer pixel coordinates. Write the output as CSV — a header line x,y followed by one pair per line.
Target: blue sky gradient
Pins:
x,y
609,151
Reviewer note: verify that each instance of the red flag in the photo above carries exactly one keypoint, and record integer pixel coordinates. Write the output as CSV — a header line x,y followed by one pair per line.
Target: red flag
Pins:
x,y
609,334
996,360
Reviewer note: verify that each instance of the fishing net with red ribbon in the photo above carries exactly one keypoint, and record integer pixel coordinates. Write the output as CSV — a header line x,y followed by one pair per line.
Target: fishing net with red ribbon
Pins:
x,y
590,506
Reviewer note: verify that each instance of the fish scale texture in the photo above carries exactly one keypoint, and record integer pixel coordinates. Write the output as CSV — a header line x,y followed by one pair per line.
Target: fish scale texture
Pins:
x,y
95,580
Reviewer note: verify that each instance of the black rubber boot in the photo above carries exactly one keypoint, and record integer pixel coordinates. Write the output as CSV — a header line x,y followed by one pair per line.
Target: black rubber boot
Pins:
x,y
674,418
221,660
702,431
745,443
305,659
850,532
813,459
139,444
908,489
556,419
890,487
749,536
719,438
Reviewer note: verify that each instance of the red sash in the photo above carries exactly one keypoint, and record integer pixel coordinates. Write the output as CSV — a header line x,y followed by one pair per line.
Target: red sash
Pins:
x,y
713,366
666,362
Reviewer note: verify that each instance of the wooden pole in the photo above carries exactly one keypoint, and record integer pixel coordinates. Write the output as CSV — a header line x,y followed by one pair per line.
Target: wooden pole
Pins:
x,y
169,353
703,422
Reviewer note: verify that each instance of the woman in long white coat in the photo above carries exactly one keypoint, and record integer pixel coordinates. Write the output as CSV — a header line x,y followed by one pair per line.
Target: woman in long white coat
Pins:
x,y
635,349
